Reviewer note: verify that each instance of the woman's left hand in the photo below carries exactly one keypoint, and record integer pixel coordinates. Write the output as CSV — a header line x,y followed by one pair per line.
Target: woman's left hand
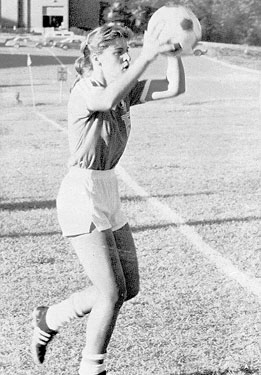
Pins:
x,y
176,79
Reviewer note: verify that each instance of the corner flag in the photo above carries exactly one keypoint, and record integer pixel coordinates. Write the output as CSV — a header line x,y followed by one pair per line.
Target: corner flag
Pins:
x,y
29,61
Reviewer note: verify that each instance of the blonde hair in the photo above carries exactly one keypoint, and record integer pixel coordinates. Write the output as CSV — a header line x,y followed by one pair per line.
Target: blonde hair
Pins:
x,y
96,42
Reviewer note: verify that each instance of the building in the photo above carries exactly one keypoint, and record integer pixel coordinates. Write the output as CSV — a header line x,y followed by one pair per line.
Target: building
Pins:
x,y
37,15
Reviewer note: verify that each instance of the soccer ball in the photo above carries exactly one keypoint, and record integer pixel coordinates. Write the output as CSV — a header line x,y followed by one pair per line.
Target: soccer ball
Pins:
x,y
179,24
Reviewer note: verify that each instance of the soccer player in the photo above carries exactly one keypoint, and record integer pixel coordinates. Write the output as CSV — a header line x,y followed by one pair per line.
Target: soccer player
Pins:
x,y
88,201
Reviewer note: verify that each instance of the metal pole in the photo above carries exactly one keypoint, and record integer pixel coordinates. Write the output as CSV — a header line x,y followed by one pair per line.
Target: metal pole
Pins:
x,y
61,91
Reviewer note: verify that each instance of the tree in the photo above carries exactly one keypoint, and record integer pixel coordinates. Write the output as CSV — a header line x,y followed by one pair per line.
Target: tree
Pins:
x,y
118,13
233,21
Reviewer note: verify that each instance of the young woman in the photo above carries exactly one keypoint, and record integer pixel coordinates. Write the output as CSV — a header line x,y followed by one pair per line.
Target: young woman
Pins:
x,y
88,202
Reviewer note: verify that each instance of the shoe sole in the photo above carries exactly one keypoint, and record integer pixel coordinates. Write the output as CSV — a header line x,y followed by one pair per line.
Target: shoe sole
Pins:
x,y
35,316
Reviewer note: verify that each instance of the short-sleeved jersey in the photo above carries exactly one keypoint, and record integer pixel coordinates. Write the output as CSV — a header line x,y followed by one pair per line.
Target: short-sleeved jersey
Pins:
x,y
97,139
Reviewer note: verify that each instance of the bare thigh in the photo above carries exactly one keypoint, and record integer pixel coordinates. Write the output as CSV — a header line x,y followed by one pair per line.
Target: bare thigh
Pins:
x,y
98,253
128,258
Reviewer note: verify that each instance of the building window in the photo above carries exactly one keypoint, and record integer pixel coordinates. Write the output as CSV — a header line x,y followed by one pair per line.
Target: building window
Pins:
x,y
52,21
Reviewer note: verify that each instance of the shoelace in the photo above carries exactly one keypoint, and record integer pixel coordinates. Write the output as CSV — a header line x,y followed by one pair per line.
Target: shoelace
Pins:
x,y
41,337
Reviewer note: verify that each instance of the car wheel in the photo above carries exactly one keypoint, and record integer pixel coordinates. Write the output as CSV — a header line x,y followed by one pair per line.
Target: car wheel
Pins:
x,y
17,45
197,52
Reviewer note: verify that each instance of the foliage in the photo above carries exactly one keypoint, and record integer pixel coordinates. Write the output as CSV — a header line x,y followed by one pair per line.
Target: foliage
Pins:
x,y
234,21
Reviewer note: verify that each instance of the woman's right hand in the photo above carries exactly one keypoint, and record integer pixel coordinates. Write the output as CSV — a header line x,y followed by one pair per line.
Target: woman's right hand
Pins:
x,y
152,47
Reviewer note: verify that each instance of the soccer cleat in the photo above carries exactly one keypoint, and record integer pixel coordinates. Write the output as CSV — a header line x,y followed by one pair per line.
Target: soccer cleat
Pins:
x,y
42,334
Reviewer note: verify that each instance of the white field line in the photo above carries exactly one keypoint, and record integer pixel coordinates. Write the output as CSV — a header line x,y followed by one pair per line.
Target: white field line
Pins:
x,y
50,121
59,61
223,264
260,94
237,67
240,68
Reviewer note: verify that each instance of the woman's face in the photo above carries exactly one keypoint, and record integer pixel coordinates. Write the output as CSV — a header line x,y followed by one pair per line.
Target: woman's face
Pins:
x,y
114,60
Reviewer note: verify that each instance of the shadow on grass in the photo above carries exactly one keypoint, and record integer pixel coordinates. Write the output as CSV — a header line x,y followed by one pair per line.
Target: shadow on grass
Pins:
x,y
50,204
242,371
138,198
136,229
185,194
41,104
144,228
28,205
30,234
23,84
54,233
194,223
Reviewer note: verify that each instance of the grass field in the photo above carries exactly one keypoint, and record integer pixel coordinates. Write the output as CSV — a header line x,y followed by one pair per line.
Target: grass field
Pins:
x,y
198,156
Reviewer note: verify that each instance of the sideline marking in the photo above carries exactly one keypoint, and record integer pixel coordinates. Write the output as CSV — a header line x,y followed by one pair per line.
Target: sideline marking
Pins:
x,y
59,61
52,122
223,264
227,64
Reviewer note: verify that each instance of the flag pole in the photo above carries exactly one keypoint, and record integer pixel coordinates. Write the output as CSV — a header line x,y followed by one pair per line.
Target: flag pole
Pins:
x,y
29,63
61,91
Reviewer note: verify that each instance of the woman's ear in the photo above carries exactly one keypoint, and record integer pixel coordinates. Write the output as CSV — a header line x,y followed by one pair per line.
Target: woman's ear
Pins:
x,y
95,59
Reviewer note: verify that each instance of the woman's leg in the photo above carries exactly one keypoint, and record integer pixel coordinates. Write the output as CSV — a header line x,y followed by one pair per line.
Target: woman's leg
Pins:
x,y
128,257
99,256
81,303
112,260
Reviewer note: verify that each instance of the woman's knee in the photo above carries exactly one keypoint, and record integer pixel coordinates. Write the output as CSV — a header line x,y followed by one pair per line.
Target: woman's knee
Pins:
x,y
132,291
116,296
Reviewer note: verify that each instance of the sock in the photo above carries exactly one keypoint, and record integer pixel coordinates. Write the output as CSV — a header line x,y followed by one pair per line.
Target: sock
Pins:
x,y
63,312
92,364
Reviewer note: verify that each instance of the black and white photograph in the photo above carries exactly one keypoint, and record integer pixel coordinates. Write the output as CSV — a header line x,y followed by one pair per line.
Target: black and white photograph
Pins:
x,y
130,189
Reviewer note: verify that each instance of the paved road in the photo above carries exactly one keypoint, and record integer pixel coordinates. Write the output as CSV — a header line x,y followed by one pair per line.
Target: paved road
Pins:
x,y
11,58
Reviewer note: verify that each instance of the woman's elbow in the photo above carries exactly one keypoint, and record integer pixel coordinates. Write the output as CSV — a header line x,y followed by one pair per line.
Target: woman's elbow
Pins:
x,y
181,88
181,91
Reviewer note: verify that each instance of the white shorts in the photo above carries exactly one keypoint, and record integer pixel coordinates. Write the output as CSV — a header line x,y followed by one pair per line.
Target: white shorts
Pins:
x,y
89,198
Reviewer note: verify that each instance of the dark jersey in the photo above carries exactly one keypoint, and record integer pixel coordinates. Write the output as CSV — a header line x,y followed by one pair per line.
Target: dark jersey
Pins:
x,y
97,140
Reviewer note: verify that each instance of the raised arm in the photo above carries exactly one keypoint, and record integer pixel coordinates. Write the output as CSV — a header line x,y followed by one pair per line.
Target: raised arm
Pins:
x,y
115,91
174,84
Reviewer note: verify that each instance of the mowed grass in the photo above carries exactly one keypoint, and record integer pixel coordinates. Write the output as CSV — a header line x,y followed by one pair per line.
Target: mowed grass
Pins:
x,y
200,155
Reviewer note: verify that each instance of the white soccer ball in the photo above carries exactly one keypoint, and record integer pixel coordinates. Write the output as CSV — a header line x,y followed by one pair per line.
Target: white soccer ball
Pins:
x,y
179,24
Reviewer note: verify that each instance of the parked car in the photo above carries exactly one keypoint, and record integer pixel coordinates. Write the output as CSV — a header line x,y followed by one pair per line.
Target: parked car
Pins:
x,y
21,41
200,50
72,43
54,36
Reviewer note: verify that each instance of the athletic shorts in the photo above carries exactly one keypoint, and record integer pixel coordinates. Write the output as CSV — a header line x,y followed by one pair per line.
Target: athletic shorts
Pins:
x,y
88,198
